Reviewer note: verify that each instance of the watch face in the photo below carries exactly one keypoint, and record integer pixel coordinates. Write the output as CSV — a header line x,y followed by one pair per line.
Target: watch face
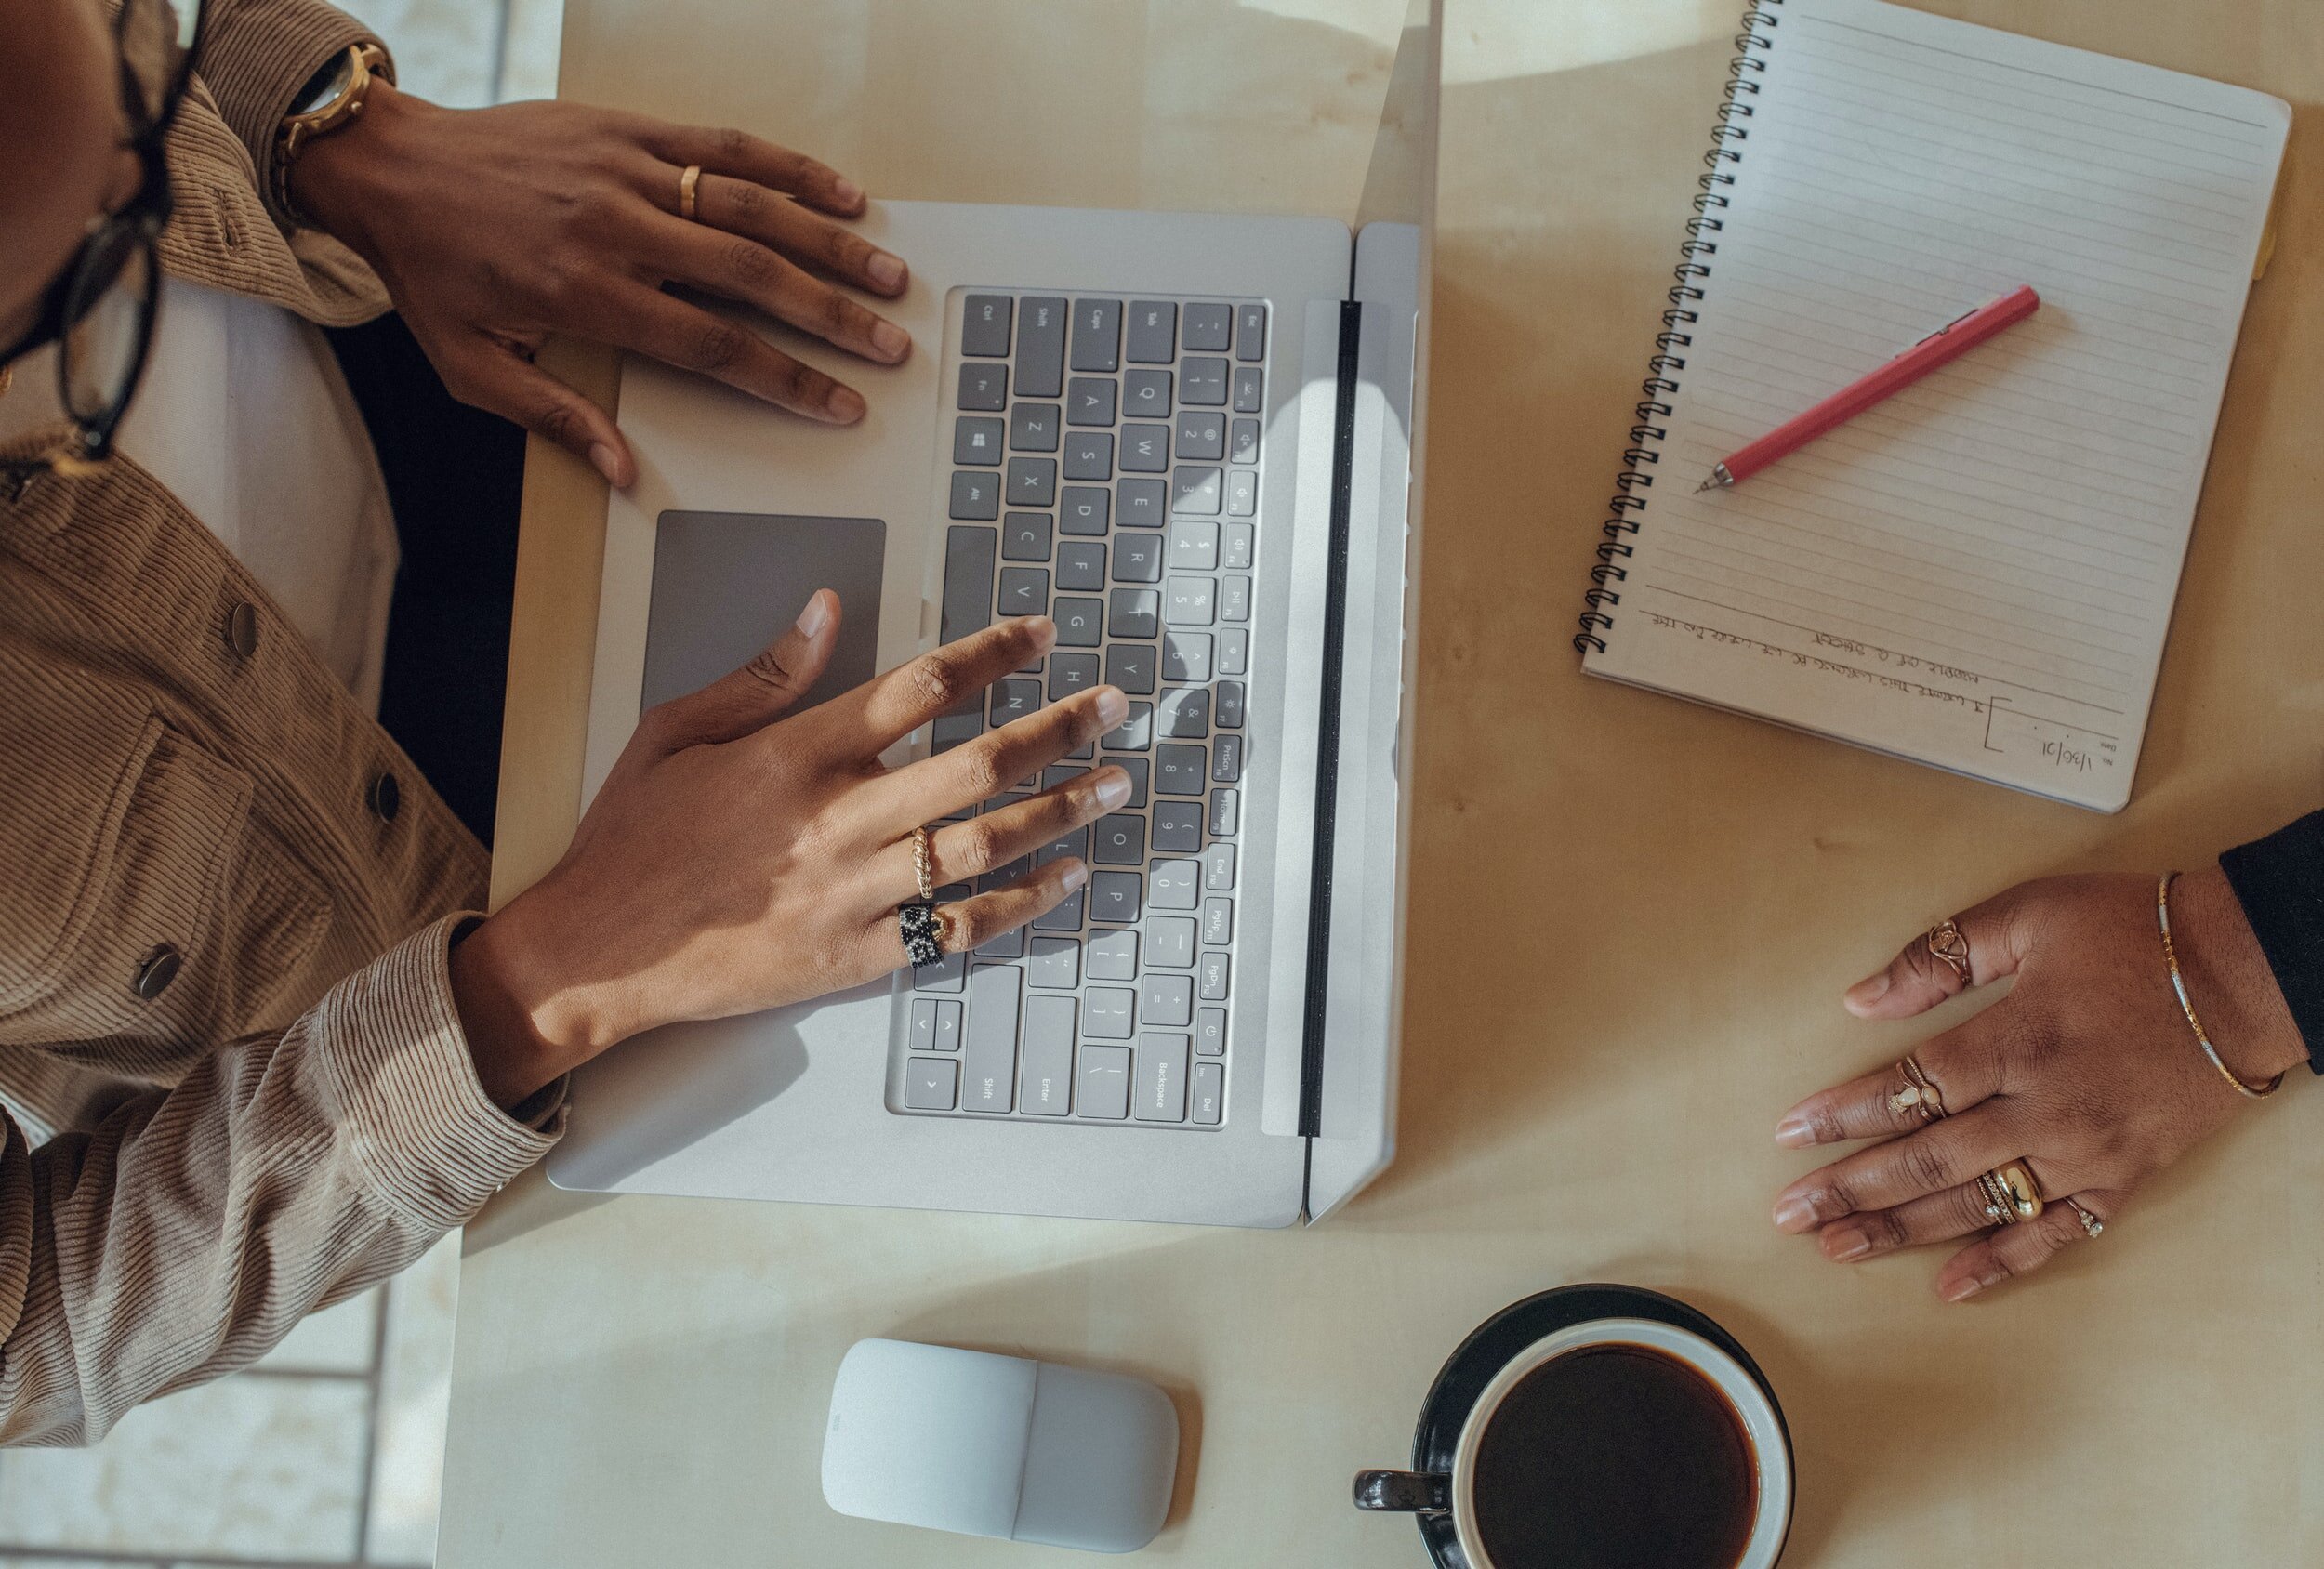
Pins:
x,y
326,85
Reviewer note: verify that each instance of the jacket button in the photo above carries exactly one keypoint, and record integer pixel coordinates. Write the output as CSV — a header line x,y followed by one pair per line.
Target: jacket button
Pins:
x,y
242,628
386,797
159,969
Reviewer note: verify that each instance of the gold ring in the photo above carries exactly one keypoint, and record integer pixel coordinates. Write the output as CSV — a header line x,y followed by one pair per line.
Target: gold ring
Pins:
x,y
1947,944
921,866
2011,1196
1918,1094
688,183
2092,1225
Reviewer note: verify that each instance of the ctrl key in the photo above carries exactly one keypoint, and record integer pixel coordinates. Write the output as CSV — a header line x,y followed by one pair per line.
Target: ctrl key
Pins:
x,y
931,1084
1104,1082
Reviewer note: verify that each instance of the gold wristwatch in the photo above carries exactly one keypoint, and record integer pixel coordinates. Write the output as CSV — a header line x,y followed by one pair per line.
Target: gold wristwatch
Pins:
x,y
331,100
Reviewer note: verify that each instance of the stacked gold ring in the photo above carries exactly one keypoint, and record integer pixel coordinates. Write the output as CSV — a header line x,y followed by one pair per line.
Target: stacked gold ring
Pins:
x,y
2011,1194
1920,1092
923,867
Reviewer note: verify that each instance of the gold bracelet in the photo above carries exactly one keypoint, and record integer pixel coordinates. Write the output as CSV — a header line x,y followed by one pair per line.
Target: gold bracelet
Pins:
x,y
2178,985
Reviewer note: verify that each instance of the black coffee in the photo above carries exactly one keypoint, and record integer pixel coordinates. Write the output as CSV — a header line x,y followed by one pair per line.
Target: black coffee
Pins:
x,y
1615,1456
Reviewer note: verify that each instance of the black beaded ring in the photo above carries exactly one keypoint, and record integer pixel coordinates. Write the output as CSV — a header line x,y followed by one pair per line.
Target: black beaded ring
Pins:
x,y
921,927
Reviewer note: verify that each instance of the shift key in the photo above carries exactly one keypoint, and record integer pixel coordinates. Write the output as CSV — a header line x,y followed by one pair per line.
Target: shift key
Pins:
x,y
988,1058
1040,348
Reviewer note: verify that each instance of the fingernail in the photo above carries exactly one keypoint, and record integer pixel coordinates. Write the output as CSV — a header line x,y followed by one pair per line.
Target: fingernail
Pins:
x,y
606,461
890,339
1044,630
816,617
845,404
1850,1244
1073,876
846,193
1795,1214
1113,788
1963,1288
1794,1131
885,270
1112,707
1870,990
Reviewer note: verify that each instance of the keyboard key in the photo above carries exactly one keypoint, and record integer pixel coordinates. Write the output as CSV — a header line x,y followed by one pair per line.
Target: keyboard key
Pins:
x,y
1084,510
1152,332
988,1050
1159,1079
1193,546
1180,771
1138,557
1069,673
1032,481
947,1025
1175,884
1137,612
1145,503
1090,454
1226,813
1136,768
928,1084
1184,714
1201,436
1117,897
968,580
1055,963
1212,975
1235,542
1044,1073
1226,702
1014,700
1234,598
1201,384
1001,876
1244,445
1024,536
921,1036
1209,326
984,325
1066,917
1250,330
1078,621
1218,867
1145,448
1166,999
983,387
1130,666
1188,603
1228,758
1234,652
1024,592
1242,494
975,497
1186,657
1209,1092
1109,1013
1191,490
1112,956
1040,348
948,974
1097,335
1178,825
1146,394
1250,389
1169,943
1134,734
1211,1032
1059,774
1009,944
1089,401
1217,921
1121,840
1073,844
1103,1086
1033,428
1081,564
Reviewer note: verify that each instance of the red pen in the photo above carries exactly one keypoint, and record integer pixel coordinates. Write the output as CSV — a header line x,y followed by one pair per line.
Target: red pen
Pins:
x,y
1940,347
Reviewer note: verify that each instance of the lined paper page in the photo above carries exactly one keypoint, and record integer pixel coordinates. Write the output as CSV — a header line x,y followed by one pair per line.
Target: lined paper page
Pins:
x,y
1979,573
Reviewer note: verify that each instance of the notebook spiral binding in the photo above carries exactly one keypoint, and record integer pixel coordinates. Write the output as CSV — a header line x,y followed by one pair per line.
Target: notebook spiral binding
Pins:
x,y
1643,453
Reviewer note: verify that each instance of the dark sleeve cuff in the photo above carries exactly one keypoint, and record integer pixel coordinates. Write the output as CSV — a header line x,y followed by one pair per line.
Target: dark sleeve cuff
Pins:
x,y
2279,880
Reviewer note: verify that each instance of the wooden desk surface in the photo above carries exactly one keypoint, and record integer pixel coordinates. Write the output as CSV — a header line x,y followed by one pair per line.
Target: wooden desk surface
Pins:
x,y
642,1380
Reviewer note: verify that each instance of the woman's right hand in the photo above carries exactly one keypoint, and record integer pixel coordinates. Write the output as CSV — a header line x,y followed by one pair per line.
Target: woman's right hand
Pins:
x,y
737,860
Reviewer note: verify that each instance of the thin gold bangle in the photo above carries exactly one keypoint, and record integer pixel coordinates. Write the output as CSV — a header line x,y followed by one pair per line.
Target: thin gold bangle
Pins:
x,y
2178,985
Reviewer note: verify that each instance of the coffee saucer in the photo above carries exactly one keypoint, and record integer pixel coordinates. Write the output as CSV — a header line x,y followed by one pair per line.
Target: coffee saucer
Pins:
x,y
1500,1339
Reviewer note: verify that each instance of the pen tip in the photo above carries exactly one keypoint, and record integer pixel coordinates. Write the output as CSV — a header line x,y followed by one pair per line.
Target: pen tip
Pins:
x,y
1711,484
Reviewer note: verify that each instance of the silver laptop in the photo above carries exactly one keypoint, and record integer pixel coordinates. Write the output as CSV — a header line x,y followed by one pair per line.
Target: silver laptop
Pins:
x,y
1194,441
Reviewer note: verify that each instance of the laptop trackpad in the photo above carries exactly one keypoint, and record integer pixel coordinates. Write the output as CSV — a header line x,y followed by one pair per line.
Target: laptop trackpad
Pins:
x,y
725,584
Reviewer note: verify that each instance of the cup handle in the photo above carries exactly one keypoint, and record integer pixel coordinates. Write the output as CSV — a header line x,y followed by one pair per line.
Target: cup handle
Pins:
x,y
1403,1492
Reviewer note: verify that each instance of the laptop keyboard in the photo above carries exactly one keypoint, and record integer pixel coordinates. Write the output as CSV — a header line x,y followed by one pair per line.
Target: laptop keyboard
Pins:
x,y
1106,458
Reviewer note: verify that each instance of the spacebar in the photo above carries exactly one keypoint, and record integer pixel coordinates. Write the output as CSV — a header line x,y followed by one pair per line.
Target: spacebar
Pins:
x,y
988,1055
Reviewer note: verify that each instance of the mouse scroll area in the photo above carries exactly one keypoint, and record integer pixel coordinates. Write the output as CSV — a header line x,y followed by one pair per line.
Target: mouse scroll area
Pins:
x,y
1099,1463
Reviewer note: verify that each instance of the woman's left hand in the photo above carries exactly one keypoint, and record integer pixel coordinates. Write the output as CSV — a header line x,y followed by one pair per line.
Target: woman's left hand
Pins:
x,y
2086,1072
494,228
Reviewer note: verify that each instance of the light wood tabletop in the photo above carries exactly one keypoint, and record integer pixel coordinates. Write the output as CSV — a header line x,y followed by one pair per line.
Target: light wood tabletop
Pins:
x,y
1631,918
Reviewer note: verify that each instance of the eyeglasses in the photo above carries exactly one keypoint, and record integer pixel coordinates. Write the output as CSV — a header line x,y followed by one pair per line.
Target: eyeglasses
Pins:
x,y
99,311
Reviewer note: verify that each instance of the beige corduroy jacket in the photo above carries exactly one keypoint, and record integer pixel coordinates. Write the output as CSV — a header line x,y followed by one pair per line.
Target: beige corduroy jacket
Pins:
x,y
226,897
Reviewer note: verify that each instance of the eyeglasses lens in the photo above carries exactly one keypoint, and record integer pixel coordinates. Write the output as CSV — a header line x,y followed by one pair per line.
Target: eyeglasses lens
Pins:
x,y
108,309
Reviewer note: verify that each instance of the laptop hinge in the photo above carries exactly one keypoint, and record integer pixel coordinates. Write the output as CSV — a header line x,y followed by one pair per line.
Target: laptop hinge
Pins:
x,y
1328,727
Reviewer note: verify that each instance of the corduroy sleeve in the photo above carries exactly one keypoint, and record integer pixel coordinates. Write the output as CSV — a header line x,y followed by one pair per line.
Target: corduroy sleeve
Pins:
x,y
2280,882
257,54
182,1236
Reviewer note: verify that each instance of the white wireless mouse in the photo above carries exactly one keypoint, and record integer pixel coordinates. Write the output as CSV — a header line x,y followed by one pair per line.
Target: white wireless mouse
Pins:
x,y
998,1446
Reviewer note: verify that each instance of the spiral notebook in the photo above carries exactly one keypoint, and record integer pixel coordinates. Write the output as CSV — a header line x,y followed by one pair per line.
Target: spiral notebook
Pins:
x,y
1979,573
